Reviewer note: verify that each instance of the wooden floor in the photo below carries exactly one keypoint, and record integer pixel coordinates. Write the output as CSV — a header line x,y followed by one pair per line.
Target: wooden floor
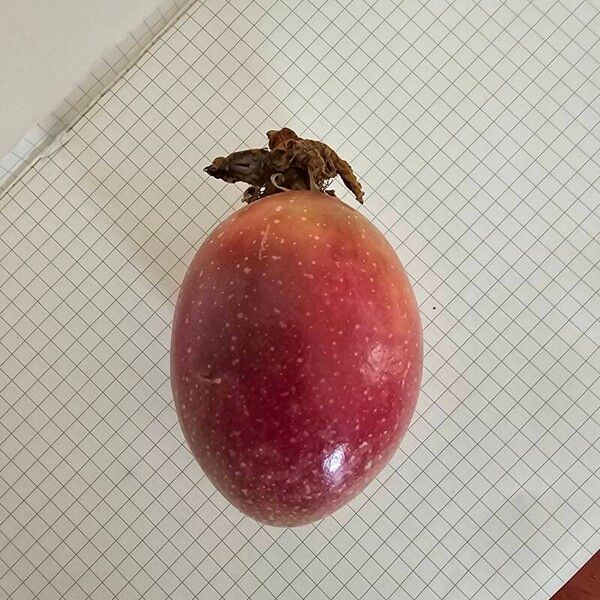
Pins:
x,y
585,584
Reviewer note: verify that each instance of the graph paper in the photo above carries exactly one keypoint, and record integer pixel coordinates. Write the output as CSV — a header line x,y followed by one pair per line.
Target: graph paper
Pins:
x,y
475,130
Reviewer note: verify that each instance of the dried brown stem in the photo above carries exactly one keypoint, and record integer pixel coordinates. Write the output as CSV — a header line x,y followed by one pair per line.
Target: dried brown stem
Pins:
x,y
290,163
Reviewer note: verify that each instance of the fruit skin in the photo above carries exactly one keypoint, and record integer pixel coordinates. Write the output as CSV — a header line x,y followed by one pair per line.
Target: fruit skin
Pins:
x,y
296,356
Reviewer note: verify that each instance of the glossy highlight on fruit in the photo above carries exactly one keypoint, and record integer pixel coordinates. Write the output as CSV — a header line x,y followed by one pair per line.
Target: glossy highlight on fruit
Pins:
x,y
296,356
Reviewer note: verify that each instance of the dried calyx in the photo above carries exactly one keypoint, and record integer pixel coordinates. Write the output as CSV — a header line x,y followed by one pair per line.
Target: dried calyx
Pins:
x,y
290,163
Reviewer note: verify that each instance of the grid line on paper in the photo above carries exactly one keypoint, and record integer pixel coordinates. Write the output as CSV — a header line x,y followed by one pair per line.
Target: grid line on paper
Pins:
x,y
475,130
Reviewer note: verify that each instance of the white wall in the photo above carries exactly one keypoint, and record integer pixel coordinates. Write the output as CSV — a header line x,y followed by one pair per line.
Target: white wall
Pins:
x,y
47,47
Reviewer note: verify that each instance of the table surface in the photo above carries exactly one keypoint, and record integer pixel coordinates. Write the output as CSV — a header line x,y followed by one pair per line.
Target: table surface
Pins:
x,y
475,130
585,584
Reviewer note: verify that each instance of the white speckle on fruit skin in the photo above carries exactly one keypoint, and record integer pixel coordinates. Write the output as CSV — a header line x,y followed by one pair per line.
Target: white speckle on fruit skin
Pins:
x,y
247,270
263,241
189,350
406,372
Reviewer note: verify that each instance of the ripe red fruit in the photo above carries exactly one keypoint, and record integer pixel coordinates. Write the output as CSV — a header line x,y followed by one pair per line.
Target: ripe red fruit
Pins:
x,y
296,356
